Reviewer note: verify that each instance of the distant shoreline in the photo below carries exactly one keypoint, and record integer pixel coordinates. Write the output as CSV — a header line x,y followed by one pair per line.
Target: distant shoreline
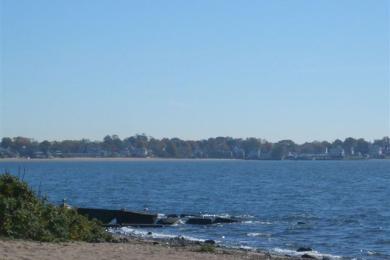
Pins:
x,y
113,159
135,159
141,146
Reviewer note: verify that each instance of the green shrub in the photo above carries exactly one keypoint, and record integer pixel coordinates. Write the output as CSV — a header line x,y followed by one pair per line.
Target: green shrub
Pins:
x,y
24,215
207,248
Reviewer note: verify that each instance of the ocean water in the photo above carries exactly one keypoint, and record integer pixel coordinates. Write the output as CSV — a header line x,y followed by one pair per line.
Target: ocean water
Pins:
x,y
338,208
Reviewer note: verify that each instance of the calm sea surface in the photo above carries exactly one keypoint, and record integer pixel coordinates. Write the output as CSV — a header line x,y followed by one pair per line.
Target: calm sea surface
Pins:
x,y
340,208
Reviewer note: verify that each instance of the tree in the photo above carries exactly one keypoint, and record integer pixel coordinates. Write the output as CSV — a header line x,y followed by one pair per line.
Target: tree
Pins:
x,y
171,149
45,146
251,144
349,145
6,142
277,152
362,146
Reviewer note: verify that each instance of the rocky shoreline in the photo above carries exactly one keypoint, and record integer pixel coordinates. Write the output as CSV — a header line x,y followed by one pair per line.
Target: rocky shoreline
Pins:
x,y
212,247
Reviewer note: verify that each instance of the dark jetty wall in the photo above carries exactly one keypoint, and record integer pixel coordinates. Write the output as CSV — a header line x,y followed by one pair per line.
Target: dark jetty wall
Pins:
x,y
122,217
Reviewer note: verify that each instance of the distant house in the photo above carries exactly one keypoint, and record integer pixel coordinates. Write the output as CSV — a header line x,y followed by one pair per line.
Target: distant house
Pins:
x,y
138,152
94,152
254,154
336,153
125,152
291,156
238,153
39,154
197,153
6,153
376,151
386,150
57,154
265,155
77,155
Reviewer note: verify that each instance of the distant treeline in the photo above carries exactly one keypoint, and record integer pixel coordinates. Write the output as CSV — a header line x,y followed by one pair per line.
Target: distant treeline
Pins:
x,y
219,147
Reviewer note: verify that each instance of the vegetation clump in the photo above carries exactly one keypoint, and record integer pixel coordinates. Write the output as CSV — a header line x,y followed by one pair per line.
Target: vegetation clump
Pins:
x,y
207,248
24,215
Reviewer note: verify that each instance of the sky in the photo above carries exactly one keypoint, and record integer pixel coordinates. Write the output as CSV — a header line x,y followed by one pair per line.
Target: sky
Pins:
x,y
300,70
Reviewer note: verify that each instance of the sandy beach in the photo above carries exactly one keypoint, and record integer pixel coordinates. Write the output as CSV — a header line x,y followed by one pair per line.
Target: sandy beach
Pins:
x,y
133,249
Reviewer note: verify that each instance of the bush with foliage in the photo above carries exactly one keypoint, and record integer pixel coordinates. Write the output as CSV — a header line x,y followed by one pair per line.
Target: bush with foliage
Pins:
x,y
207,248
24,215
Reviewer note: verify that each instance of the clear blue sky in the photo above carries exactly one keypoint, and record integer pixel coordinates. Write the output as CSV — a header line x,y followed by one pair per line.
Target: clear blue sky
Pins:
x,y
300,70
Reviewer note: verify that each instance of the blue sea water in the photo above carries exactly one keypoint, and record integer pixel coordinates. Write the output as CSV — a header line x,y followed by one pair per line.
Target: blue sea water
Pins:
x,y
340,208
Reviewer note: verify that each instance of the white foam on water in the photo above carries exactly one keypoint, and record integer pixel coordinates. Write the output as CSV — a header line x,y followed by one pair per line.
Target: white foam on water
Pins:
x,y
145,234
257,222
247,248
194,239
242,247
216,215
244,216
313,253
258,234
160,215
161,236
128,231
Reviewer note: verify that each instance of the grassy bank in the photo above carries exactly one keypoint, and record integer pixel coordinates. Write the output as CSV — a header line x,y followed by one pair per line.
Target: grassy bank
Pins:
x,y
24,215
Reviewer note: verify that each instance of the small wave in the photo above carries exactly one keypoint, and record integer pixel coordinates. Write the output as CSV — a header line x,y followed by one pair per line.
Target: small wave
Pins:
x,y
147,234
242,247
258,234
315,254
244,216
224,215
256,222
128,231
246,247
215,215
374,253
189,238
